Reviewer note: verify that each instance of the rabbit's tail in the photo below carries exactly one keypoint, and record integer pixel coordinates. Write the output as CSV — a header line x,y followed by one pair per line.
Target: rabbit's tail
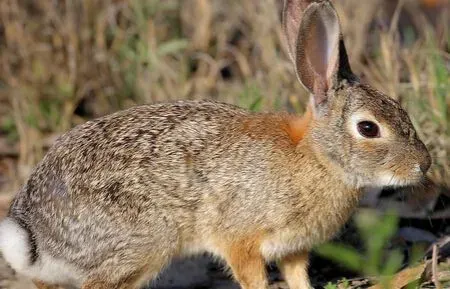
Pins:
x,y
16,245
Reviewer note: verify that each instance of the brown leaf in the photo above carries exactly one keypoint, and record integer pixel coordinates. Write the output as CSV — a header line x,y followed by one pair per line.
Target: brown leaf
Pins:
x,y
404,277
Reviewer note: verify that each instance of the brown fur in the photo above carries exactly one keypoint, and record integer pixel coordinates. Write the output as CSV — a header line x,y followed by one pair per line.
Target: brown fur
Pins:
x,y
295,270
246,262
41,285
98,284
117,198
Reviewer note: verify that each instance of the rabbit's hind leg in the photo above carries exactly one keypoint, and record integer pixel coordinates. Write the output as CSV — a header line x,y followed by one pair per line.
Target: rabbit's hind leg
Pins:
x,y
100,284
131,281
129,273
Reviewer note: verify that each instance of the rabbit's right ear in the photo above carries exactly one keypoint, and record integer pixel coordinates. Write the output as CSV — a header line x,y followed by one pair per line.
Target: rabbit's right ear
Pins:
x,y
316,46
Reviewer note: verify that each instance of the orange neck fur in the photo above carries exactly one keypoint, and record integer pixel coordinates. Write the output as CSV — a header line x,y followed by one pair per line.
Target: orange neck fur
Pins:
x,y
298,127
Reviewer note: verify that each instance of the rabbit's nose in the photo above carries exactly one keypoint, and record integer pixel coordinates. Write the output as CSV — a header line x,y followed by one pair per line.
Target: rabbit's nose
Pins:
x,y
424,159
426,163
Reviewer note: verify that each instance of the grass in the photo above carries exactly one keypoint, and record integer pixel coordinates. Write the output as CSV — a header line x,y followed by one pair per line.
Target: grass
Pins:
x,y
378,259
64,62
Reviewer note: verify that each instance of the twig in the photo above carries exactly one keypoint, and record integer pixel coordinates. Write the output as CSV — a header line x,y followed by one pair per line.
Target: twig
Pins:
x,y
434,268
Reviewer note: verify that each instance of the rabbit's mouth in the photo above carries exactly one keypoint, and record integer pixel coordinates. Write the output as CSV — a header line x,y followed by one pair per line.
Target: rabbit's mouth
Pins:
x,y
395,179
387,179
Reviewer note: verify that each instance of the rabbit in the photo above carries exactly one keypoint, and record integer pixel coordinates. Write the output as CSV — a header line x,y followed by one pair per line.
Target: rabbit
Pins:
x,y
115,199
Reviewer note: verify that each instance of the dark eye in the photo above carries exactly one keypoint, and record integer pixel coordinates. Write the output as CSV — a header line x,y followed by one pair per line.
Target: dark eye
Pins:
x,y
368,129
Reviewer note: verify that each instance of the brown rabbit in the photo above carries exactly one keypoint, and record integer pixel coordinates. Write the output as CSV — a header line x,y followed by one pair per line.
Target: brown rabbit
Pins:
x,y
117,198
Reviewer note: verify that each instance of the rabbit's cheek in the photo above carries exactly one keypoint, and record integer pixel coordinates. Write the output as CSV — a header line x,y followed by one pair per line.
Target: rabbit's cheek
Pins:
x,y
369,157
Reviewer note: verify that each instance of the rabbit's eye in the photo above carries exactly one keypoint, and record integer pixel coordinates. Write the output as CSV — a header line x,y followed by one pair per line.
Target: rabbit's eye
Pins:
x,y
368,129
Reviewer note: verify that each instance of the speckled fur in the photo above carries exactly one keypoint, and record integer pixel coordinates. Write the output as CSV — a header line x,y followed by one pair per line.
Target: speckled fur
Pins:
x,y
115,199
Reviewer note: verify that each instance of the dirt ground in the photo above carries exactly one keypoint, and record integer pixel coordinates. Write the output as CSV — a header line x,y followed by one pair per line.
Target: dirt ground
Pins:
x,y
193,273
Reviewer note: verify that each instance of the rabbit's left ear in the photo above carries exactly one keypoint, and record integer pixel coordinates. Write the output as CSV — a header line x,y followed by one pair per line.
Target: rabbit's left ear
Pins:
x,y
293,11
316,46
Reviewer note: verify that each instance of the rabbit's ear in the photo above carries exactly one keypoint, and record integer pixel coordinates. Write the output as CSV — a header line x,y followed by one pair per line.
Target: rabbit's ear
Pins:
x,y
292,17
317,49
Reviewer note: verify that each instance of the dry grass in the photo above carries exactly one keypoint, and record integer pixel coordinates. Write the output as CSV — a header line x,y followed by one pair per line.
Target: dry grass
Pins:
x,y
62,62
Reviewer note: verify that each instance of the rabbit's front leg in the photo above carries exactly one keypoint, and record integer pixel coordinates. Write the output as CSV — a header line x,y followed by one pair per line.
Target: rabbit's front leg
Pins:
x,y
295,270
247,264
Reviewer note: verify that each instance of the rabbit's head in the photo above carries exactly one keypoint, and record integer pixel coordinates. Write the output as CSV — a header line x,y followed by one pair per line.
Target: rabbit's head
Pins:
x,y
355,127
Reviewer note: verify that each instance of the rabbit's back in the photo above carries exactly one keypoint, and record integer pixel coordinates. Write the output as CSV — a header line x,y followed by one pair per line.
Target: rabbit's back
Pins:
x,y
133,172
141,136
177,178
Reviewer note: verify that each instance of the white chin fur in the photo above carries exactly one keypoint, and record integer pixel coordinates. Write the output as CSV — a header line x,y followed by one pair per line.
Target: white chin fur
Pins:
x,y
386,179
389,180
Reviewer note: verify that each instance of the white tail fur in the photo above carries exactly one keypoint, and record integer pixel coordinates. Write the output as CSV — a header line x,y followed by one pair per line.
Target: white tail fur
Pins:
x,y
14,244
15,247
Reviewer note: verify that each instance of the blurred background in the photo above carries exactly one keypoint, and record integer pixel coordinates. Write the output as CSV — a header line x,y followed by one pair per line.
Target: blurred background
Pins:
x,y
67,61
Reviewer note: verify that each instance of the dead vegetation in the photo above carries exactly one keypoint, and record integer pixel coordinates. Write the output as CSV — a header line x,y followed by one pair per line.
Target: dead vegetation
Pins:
x,y
64,62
